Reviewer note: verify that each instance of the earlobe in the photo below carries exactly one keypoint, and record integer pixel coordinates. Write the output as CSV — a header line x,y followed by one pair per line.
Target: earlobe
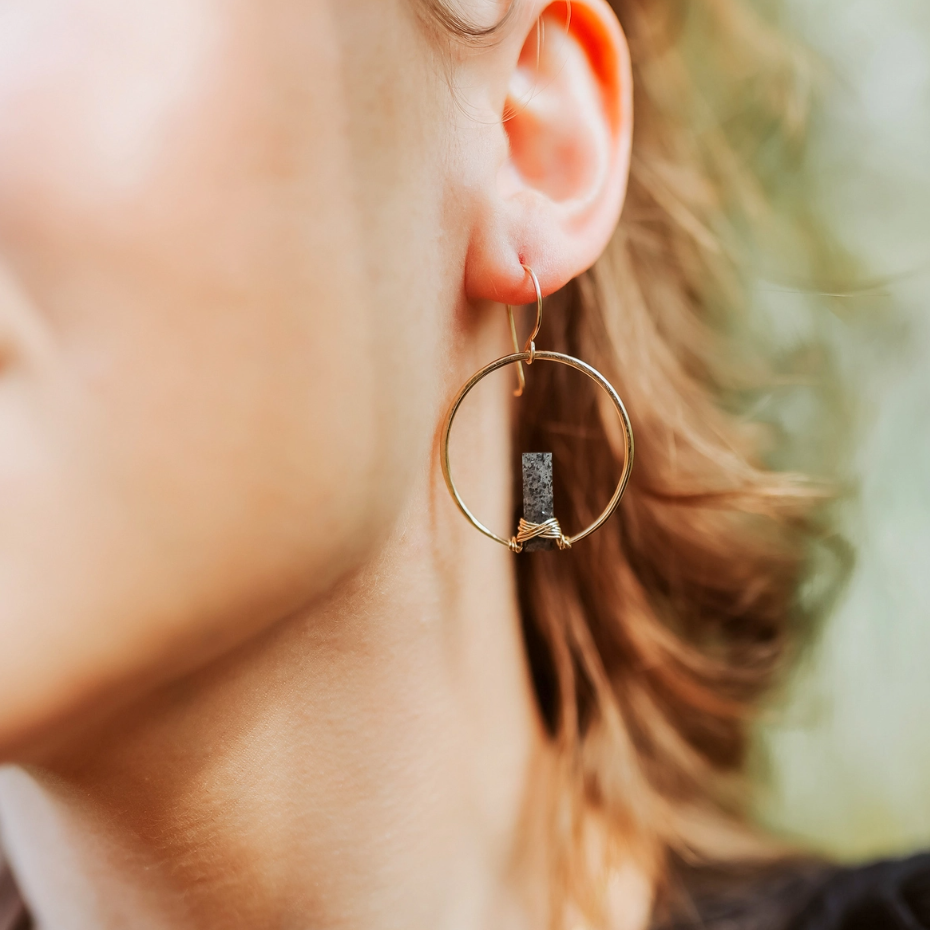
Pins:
x,y
560,187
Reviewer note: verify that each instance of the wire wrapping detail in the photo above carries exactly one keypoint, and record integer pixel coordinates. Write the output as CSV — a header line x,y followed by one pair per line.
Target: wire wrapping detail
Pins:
x,y
550,529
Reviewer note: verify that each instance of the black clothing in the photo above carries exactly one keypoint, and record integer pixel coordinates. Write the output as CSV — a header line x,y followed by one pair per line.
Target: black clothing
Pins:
x,y
886,895
13,914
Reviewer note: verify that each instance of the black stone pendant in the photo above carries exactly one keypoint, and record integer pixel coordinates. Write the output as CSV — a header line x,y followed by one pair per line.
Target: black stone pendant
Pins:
x,y
538,505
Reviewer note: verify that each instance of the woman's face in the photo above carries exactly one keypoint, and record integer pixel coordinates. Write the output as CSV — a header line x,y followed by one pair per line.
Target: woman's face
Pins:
x,y
219,282
236,242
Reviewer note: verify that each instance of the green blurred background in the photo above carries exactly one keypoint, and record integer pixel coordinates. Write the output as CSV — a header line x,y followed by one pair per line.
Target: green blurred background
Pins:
x,y
848,748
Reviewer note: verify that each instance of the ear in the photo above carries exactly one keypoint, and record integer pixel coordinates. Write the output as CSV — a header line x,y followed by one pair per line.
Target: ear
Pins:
x,y
561,182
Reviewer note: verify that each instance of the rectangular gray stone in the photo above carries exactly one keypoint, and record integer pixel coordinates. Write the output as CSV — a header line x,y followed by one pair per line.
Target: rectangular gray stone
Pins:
x,y
538,504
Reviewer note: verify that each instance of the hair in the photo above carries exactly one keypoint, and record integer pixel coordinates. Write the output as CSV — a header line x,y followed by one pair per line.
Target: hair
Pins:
x,y
652,647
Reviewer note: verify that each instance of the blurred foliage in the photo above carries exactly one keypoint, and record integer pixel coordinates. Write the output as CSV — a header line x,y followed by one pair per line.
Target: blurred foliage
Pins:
x,y
843,266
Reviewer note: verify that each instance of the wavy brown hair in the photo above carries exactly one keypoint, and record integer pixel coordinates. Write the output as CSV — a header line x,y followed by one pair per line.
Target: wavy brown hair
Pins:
x,y
652,647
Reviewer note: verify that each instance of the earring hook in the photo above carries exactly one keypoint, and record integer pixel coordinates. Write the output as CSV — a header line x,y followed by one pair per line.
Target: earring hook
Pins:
x,y
531,342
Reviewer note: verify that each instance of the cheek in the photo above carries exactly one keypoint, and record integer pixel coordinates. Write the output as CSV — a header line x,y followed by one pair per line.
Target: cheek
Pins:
x,y
88,92
187,426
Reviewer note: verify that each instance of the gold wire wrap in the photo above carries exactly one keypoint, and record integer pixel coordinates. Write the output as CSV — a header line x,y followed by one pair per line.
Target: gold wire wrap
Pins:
x,y
548,530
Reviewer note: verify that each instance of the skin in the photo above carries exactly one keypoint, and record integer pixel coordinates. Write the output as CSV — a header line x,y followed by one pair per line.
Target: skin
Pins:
x,y
248,252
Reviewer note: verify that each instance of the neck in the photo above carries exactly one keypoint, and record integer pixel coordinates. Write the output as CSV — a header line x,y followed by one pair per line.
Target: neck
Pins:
x,y
367,764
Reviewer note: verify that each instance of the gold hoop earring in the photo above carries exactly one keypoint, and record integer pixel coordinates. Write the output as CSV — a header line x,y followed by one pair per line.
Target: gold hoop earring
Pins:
x,y
538,530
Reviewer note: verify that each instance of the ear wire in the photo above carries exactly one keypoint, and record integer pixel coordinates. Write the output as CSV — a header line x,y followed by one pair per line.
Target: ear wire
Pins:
x,y
530,347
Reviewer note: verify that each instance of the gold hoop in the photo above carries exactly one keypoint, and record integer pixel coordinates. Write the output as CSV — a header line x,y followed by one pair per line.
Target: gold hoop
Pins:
x,y
529,357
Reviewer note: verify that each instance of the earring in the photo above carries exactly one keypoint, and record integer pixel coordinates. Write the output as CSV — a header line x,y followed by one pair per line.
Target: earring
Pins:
x,y
538,528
